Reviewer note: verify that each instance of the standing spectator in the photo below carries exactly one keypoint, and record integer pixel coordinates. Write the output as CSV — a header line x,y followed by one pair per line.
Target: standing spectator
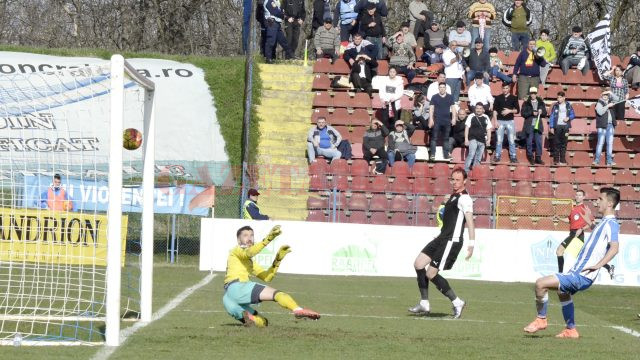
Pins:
x,y
619,90
346,15
274,16
480,93
409,38
327,41
391,90
359,46
372,28
518,18
321,12
433,37
461,36
250,209
441,118
476,136
496,67
632,72
263,29
574,52
402,56
533,112
361,74
559,123
478,63
381,7
418,11
456,138
605,125
295,15
399,144
323,140
482,14
526,71
505,107
420,117
56,197
373,145
433,87
549,54
453,69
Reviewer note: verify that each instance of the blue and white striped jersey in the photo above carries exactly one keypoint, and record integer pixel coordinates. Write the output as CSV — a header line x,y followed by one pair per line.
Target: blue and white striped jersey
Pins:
x,y
596,246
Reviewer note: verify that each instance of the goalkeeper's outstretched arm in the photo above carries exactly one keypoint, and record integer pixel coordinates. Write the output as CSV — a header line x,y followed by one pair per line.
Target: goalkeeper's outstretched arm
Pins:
x,y
271,272
255,249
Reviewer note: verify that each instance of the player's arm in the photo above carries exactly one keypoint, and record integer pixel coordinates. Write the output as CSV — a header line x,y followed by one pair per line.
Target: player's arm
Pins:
x,y
271,272
613,250
472,234
255,249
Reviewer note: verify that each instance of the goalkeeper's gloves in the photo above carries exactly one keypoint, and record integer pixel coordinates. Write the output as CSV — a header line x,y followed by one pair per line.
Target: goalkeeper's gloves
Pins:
x,y
284,250
275,231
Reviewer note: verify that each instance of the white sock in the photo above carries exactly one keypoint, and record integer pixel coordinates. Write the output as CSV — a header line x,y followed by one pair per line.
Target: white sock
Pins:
x,y
425,304
298,308
457,302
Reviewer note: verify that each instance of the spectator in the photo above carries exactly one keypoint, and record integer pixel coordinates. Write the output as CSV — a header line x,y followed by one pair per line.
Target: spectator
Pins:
x,y
346,15
391,90
441,117
409,38
478,63
619,89
453,69
549,54
381,7
559,123
461,36
605,125
250,210
321,11
433,37
263,29
632,72
434,59
482,15
518,18
399,144
373,145
327,41
323,140
526,71
420,119
496,67
480,92
476,136
56,197
372,28
533,112
574,52
504,108
456,138
359,46
402,56
433,87
361,74
295,14
418,12
274,16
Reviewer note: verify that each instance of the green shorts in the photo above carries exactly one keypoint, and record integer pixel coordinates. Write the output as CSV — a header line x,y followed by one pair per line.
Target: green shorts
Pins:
x,y
239,295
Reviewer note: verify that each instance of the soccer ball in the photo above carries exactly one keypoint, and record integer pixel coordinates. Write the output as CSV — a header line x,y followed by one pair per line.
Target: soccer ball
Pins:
x,y
131,139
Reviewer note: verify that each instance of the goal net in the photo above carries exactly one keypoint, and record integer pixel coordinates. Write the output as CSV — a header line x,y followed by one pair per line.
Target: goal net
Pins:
x,y
75,249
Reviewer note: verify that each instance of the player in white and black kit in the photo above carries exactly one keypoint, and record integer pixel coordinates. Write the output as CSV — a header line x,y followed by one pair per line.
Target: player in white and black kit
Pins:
x,y
441,253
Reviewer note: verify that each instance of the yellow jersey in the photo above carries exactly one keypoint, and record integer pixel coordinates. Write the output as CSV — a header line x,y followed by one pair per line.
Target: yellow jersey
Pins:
x,y
240,264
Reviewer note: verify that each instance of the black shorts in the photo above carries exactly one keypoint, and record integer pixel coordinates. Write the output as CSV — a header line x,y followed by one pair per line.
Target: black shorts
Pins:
x,y
572,234
443,253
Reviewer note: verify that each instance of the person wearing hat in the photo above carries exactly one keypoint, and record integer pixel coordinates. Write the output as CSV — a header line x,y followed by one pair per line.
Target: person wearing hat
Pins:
x,y
480,92
534,111
574,51
442,116
399,145
518,18
526,71
632,71
435,37
461,36
381,7
605,125
322,11
372,28
327,41
477,135
482,14
294,15
478,63
250,210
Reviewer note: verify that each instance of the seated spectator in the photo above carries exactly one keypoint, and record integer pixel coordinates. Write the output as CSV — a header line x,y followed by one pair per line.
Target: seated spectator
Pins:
x,y
605,125
327,41
420,119
441,117
399,145
477,134
454,65
456,138
559,123
461,36
323,140
346,15
504,108
359,46
574,51
533,112
482,14
361,74
373,145
632,72
619,90
480,93
518,18
433,87
321,11
419,17
372,28
496,67
409,38
381,7
391,91
478,63
434,36
402,56
526,71
549,54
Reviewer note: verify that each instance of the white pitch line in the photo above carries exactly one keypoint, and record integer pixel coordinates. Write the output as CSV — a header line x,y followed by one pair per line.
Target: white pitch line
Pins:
x,y
627,331
107,351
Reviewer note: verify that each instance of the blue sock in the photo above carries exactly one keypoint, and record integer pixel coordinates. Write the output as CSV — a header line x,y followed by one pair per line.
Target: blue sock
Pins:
x,y
568,313
541,306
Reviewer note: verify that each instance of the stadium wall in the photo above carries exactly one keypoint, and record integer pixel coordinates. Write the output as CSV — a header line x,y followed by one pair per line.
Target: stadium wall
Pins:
x,y
381,250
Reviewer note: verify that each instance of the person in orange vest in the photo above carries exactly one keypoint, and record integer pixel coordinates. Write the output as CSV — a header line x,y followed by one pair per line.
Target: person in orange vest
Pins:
x,y
55,197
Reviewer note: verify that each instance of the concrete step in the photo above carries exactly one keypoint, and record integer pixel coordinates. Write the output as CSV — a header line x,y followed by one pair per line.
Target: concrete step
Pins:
x,y
290,159
285,68
282,105
296,113
273,77
291,96
287,85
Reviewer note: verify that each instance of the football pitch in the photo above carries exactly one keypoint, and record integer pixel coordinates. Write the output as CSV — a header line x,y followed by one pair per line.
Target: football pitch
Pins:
x,y
367,318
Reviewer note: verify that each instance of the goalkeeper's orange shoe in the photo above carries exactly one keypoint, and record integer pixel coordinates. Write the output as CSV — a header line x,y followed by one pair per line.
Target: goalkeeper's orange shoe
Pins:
x,y
569,333
536,325
306,313
254,320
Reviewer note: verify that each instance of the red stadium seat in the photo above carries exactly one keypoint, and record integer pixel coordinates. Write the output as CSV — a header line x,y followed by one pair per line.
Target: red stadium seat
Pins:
x,y
580,159
590,192
441,186
627,210
357,201
440,170
629,227
503,187
422,186
314,202
563,175
379,218
482,206
544,207
583,175
555,76
482,188
593,93
481,172
504,206
399,203
575,92
543,190
357,217
322,99
419,137
359,183
319,167
379,183
317,216
523,188
604,176
340,182
400,218
542,174
501,172
379,202
359,168
340,67
627,192
420,170
422,203
318,182
383,67
321,82
339,167
580,110
400,185
623,160
322,66
399,169
482,222
521,172
342,99
565,191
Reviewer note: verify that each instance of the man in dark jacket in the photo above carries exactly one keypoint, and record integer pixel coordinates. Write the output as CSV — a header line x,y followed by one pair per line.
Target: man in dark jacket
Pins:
x,y
373,144
295,14
526,71
478,62
381,7
534,111
632,71
321,10
372,28
456,137
361,74
360,46
274,16
559,123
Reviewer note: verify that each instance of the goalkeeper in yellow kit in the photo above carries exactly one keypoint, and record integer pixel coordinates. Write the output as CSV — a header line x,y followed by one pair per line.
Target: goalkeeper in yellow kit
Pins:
x,y
240,293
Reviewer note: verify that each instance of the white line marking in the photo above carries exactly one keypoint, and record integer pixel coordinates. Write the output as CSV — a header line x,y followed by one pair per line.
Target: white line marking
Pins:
x,y
627,331
107,351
